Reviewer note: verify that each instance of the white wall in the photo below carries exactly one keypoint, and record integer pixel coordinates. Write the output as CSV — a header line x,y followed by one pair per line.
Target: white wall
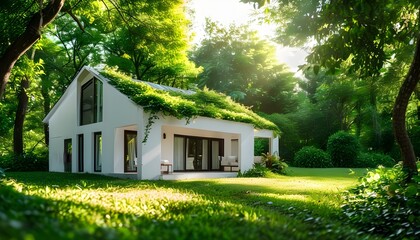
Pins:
x,y
156,148
274,140
62,126
119,113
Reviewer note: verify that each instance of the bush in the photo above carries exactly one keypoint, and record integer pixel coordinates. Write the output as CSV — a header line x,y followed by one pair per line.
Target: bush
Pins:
x,y
274,163
384,204
261,146
343,149
24,163
312,157
373,160
258,170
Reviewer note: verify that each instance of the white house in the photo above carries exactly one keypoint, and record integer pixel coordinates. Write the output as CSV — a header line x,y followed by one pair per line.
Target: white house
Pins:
x,y
96,128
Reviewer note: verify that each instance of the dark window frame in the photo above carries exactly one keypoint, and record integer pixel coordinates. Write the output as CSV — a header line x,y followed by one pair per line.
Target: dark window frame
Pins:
x,y
80,153
97,168
126,133
97,107
210,139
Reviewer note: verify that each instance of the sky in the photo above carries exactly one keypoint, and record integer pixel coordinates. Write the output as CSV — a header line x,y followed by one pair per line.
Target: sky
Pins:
x,y
233,11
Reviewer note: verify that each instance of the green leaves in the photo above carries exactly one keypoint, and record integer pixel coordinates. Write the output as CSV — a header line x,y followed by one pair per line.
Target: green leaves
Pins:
x,y
312,157
204,103
238,63
384,204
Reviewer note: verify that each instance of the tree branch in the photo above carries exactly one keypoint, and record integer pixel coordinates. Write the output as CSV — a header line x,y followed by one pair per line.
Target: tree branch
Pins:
x,y
25,41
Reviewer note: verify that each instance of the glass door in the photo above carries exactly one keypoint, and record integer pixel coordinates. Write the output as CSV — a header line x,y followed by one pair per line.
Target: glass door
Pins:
x,y
215,154
194,154
197,154
179,153
130,151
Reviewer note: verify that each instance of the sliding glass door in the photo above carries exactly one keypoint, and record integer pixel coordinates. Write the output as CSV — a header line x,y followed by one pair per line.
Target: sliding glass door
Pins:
x,y
197,154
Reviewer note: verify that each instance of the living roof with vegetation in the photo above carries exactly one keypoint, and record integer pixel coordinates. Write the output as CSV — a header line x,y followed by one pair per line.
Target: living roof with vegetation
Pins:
x,y
205,103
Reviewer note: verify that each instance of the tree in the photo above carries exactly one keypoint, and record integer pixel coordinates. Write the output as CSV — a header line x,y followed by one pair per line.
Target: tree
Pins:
x,y
240,64
366,33
151,42
30,29
76,38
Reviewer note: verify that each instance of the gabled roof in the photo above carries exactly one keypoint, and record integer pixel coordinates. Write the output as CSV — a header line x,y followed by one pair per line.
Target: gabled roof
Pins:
x,y
167,88
156,98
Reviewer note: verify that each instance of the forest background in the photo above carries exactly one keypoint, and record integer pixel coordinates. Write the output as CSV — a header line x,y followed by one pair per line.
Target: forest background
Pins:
x,y
152,41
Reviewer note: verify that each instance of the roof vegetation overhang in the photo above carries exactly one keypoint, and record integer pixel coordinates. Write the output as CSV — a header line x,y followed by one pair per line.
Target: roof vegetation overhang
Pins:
x,y
185,104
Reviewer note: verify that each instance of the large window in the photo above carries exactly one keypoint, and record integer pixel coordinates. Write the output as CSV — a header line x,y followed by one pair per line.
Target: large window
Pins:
x,y
197,153
91,102
67,155
98,152
130,151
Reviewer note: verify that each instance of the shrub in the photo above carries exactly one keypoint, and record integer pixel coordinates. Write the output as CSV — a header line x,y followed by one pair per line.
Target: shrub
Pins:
x,y
274,163
384,204
258,170
343,149
25,162
261,146
373,160
312,157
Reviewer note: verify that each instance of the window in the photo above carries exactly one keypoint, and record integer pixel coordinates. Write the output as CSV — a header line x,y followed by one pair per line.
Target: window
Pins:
x,y
67,155
98,152
130,151
197,153
80,152
91,102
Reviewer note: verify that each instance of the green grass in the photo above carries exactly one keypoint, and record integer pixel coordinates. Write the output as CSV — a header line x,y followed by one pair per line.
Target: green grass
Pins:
x,y
303,205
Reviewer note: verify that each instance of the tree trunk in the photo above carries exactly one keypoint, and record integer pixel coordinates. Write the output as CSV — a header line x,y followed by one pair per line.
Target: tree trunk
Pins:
x,y
20,117
23,42
399,112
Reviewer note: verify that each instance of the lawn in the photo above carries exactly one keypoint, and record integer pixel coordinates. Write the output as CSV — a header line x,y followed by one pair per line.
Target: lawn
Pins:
x,y
303,205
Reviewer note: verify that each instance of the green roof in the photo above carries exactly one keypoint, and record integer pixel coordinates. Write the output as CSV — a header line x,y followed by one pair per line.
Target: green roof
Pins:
x,y
184,103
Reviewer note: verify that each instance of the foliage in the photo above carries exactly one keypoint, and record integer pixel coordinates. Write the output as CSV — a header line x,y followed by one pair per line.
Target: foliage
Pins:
x,y
373,160
383,203
257,170
261,146
87,206
274,163
290,137
312,157
25,162
204,103
238,63
370,38
136,49
82,36
343,149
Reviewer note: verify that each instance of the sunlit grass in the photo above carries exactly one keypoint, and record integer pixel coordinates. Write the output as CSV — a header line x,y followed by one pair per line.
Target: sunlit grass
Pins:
x,y
303,205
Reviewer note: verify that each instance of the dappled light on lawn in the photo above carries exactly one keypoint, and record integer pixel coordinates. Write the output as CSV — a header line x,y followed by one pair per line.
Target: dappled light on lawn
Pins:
x,y
82,206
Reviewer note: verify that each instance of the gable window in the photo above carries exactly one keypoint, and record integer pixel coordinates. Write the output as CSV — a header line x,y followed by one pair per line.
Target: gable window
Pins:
x,y
91,102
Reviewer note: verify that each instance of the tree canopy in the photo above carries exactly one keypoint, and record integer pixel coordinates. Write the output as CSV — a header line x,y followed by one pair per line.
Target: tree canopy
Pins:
x,y
367,35
237,62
